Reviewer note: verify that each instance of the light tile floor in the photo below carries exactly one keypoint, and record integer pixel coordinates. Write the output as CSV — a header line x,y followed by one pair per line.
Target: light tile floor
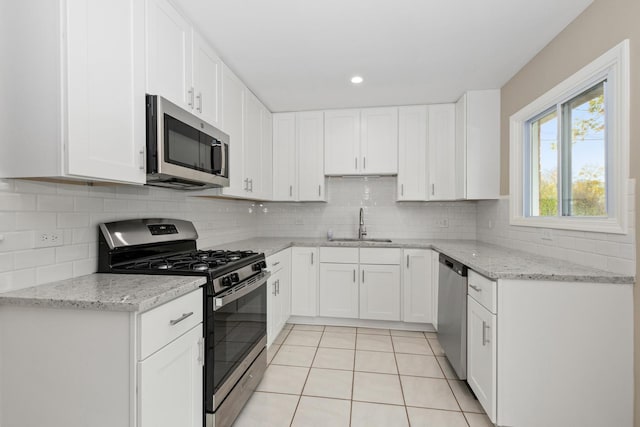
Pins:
x,y
339,376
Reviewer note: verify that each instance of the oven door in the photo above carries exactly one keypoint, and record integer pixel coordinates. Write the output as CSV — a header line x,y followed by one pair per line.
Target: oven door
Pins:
x,y
236,333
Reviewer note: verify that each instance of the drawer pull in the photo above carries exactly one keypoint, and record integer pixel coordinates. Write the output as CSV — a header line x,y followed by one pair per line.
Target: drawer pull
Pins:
x,y
485,340
181,318
475,288
275,263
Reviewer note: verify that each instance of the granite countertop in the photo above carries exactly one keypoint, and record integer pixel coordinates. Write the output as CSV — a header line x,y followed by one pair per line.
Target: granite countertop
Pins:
x,y
139,293
109,292
492,261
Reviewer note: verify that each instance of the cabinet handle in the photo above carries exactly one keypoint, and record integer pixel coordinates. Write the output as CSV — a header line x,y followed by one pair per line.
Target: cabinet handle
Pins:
x,y
278,286
274,289
251,182
362,276
199,97
201,351
354,275
246,184
407,261
319,190
475,288
290,190
402,189
356,163
433,189
275,263
311,258
190,92
181,318
484,333
364,163
142,160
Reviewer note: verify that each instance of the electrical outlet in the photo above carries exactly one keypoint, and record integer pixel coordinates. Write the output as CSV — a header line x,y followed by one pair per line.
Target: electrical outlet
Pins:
x,y
547,234
47,239
443,223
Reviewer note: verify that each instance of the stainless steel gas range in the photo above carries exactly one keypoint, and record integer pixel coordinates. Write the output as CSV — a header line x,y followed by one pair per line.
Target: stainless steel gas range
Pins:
x,y
235,302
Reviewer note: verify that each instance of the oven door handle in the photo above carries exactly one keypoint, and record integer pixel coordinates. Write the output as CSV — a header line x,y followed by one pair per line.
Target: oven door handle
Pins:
x,y
238,292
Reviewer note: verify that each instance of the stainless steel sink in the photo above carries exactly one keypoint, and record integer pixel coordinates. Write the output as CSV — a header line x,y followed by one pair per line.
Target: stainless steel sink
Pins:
x,y
361,240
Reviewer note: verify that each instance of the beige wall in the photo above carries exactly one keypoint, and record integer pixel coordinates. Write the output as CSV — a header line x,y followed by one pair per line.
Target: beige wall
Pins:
x,y
600,27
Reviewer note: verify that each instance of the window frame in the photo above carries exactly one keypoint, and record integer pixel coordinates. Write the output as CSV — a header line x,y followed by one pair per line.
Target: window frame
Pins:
x,y
612,66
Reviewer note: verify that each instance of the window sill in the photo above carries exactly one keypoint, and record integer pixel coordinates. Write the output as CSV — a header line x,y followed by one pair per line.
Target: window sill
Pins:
x,y
594,225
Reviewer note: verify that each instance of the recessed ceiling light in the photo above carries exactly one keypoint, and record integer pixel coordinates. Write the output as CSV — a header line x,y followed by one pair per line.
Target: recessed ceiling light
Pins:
x,y
356,80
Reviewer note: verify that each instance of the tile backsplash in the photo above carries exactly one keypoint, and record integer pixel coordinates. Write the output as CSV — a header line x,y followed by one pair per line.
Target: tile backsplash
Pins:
x,y
384,217
28,208
612,252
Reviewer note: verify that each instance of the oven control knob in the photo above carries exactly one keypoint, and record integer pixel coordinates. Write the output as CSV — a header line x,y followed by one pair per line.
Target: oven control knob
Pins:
x,y
257,266
263,264
226,281
234,277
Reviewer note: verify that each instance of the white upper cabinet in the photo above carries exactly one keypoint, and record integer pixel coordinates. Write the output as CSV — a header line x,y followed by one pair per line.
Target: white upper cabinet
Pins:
x,y
207,81
478,145
342,142
169,54
251,142
285,185
361,142
442,152
181,66
232,124
412,152
310,138
379,141
264,188
76,97
298,156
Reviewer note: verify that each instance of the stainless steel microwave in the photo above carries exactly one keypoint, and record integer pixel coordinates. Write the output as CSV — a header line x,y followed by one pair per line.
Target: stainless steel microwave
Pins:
x,y
183,151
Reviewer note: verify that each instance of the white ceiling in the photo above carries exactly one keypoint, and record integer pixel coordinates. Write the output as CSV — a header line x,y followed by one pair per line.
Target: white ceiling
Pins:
x,y
300,54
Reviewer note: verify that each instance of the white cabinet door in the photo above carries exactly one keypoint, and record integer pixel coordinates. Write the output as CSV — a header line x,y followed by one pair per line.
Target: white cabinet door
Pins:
x,y
170,384
284,290
310,155
232,123
207,79
481,355
379,141
412,152
284,157
435,277
274,309
105,103
442,152
379,292
169,55
417,285
342,142
478,145
339,290
251,143
264,185
304,281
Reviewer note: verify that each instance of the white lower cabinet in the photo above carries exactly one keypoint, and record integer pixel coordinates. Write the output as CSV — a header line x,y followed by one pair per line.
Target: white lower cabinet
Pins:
x,y
304,281
103,368
278,293
419,304
369,289
380,292
339,290
481,355
170,384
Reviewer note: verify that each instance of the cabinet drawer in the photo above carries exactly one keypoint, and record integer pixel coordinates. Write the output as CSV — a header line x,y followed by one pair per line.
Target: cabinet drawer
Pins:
x,y
483,290
339,255
160,326
278,260
389,256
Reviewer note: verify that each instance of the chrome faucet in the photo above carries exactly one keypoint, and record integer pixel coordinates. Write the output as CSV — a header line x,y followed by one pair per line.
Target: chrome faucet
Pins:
x,y
362,230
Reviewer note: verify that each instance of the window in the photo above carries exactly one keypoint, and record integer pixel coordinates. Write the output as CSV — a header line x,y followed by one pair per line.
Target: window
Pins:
x,y
569,151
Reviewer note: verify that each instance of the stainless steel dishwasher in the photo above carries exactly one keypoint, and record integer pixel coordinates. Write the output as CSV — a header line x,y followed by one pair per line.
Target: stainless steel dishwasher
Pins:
x,y
452,313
